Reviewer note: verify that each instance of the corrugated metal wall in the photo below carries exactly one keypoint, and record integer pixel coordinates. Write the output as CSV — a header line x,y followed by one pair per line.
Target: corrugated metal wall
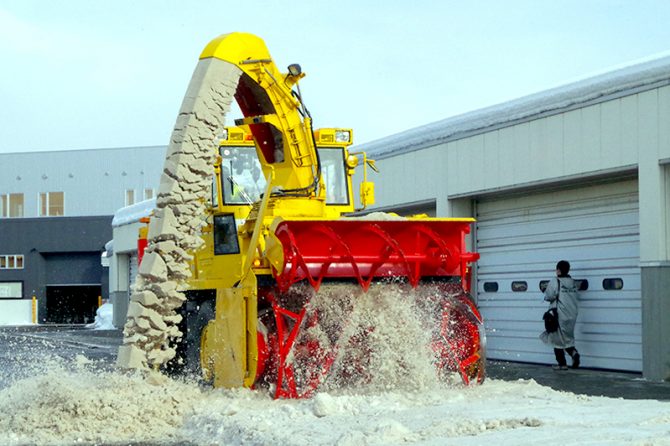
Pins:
x,y
604,136
597,137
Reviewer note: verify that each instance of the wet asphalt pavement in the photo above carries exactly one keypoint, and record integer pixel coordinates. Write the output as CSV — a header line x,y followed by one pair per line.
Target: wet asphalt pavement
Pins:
x,y
19,344
630,386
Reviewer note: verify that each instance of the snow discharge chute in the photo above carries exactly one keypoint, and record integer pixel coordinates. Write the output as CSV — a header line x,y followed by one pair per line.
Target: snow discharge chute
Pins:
x,y
181,207
252,275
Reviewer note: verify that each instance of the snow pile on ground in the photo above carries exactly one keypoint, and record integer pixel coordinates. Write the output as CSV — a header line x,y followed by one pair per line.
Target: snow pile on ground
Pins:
x,y
103,318
501,413
80,403
54,401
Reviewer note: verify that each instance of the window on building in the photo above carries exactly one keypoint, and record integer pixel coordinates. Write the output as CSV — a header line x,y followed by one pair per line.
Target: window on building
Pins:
x,y
16,205
491,287
613,284
52,204
12,261
582,284
11,290
44,207
130,197
519,285
148,194
12,205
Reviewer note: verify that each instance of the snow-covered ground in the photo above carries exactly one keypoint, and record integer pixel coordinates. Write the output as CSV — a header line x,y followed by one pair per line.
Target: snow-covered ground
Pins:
x,y
51,394
80,402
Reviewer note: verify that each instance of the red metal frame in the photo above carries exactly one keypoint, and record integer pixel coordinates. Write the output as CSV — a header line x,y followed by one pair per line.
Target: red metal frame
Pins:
x,y
366,249
279,350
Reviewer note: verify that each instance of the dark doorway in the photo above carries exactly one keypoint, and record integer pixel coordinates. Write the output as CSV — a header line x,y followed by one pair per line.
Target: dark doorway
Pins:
x,y
72,304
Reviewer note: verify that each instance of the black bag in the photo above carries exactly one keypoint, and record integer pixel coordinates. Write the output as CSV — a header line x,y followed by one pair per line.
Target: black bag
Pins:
x,y
551,315
551,320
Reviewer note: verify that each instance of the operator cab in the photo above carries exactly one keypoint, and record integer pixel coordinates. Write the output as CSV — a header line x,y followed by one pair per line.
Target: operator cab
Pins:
x,y
243,181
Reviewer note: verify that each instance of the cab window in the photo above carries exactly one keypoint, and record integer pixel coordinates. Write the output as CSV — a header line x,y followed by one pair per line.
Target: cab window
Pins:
x,y
225,235
334,175
243,181
241,175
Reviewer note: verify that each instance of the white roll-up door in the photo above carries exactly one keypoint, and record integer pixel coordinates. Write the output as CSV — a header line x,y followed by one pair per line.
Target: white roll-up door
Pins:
x,y
521,238
132,271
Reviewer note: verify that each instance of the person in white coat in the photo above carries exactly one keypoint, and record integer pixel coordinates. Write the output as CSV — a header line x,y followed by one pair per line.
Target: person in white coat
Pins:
x,y
561,293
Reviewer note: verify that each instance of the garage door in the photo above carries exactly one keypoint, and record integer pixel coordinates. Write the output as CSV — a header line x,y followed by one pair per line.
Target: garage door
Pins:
x,y
521,238
72,304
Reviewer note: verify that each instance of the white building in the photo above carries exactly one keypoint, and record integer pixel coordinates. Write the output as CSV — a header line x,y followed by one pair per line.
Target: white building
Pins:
x,y
580,172
55,217
77,183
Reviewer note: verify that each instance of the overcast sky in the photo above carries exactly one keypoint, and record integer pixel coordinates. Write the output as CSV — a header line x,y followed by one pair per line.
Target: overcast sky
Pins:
x,y
90,74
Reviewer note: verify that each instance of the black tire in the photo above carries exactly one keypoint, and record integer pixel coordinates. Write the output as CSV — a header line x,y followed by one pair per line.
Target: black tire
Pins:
x,y
196,313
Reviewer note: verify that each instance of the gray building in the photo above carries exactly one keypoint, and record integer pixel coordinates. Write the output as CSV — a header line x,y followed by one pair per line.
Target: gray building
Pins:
x,y
60,265
56,211
580,172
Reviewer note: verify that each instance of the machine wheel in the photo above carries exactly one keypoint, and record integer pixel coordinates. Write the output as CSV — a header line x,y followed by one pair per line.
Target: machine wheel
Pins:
x,y
196,314
459,342
291,362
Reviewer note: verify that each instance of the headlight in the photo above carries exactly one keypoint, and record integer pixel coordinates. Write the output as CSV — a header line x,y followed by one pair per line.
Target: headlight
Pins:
x,y
342,136
294,69
224,135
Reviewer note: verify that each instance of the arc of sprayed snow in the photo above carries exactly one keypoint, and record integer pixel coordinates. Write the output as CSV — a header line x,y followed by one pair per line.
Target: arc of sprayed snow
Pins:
x,y
174,228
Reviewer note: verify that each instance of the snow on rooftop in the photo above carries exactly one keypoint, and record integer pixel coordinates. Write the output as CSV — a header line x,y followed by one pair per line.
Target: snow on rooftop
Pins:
x,y
637,76
133,213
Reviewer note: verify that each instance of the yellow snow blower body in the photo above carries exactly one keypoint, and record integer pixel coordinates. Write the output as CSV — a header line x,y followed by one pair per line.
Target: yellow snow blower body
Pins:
x,y
280,218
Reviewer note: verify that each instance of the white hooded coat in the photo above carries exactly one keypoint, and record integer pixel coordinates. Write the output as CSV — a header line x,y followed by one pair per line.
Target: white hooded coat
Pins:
x,y
567,304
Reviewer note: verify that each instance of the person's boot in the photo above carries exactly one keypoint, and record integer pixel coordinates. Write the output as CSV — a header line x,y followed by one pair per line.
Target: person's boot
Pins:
x,y
560,358
574,354
575,360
